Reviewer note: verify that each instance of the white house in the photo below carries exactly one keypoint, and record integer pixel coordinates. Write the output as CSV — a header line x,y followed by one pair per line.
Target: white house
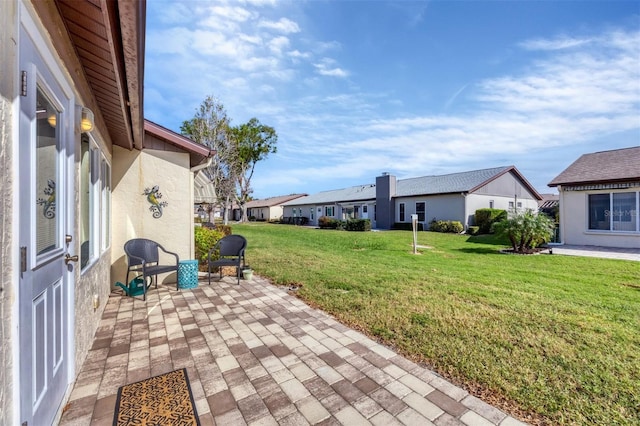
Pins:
x,y
453,196
354,202
271,208
600,199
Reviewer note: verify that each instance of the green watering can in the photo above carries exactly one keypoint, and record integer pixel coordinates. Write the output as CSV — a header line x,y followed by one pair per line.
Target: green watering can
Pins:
x,y
135,288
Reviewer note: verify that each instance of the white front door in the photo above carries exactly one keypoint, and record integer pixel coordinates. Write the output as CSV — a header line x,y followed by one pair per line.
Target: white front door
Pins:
x,y
46,181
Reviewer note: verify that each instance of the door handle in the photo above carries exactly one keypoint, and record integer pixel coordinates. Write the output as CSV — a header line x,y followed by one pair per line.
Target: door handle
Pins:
x,y
68,258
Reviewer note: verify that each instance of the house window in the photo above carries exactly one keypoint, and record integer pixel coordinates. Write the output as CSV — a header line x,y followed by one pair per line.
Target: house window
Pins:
x,y
614,211
328,211
95,202
420,209
364,209
511,205
401,218
311,213
519,204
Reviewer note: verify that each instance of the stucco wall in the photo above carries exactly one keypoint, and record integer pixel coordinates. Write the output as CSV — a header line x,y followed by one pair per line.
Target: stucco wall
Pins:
x,y
135,171
8,57
574,224
94,281
440,207
506,185
476,201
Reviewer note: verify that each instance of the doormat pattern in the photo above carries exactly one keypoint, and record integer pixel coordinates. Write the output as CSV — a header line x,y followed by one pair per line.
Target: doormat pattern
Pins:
x,y
161,400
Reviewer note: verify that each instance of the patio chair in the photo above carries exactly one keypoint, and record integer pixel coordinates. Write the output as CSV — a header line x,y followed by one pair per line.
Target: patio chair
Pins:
x,y
143,258
230,252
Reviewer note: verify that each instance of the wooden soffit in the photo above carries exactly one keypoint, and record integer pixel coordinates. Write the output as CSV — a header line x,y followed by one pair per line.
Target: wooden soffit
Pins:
x,y
104,51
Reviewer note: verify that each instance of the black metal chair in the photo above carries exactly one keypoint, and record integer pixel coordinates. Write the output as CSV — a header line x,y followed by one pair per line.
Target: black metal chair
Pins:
x,y
230,252
143,258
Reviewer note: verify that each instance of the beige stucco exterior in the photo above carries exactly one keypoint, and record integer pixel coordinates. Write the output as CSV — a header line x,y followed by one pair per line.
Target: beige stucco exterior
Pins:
x,y
135,171
574,222
87,284
127,215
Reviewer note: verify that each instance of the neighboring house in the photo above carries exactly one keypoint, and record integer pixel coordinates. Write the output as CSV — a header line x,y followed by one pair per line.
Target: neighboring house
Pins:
x,y
600,199
269,208
549,204
355,202
453,196
76,161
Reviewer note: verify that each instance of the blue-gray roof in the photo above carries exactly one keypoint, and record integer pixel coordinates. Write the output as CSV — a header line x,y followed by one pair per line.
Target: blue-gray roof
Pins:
x,y
445,184
425,185
355,193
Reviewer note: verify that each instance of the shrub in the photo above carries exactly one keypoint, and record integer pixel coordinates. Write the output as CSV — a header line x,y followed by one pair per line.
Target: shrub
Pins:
x,y
205,238
473,230
484,218
526,230
326,222
360,225
225,229
450,226
404,226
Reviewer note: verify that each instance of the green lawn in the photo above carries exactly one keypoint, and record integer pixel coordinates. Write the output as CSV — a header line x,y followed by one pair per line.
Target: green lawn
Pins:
x,y
552,339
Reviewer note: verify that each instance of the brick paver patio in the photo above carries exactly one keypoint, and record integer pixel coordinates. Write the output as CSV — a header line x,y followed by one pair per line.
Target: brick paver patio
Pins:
x,y
257,355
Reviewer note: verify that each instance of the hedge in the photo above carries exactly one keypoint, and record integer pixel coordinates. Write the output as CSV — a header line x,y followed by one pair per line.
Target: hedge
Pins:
x,y
484,218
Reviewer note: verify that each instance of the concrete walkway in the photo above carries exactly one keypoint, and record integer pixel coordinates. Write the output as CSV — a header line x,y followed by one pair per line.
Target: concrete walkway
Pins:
x,y
595,251
256,355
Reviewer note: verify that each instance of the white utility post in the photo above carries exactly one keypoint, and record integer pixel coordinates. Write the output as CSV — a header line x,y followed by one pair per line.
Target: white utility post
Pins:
x,y
414,225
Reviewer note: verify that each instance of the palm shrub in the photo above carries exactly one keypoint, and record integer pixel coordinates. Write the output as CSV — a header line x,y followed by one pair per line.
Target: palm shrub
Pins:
x,y
525,230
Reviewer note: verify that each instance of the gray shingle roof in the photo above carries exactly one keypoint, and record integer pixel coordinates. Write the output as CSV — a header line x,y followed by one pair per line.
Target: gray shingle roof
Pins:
x,y
446,184
604,166
272,201
426,185
355,193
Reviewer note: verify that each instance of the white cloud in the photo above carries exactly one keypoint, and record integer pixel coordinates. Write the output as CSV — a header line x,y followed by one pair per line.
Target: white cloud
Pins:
x,y
326,67
278,44
283,25
560,43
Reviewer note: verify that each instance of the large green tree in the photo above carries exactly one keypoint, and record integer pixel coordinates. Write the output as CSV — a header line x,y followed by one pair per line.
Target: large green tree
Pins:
x,y
211,127
252,142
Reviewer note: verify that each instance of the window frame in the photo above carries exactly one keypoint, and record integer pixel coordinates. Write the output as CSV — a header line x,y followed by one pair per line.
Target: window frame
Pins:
x,y
401,212
610,213
422,213
98,190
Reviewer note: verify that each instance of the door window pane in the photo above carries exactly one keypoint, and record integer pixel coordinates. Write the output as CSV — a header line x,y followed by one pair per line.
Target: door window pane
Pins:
x,y
599,211
46,171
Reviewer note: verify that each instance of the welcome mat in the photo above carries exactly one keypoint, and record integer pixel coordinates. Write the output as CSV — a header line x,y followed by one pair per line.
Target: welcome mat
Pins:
x,y
161,400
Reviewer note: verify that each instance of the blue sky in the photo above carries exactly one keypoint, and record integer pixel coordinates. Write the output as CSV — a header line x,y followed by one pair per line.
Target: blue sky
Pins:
x,y
413,88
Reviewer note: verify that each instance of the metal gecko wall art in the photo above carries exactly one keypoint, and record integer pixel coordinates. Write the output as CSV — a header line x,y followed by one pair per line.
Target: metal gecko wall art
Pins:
x,y
48,204
153,197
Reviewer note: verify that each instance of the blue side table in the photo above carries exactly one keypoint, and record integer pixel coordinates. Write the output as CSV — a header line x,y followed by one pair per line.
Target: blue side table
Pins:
x,y
188,274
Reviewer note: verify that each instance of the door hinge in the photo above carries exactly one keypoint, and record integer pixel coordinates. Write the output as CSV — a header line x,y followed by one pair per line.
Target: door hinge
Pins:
x,y
24,84
23,259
